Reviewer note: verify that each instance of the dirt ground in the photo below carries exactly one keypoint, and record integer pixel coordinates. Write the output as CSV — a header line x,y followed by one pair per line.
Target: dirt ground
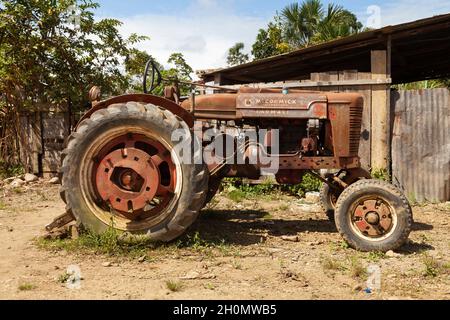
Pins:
x,y
252,260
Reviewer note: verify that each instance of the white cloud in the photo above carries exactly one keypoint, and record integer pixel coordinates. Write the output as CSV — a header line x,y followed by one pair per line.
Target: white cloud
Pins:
x,y
206,29
402,11
203,33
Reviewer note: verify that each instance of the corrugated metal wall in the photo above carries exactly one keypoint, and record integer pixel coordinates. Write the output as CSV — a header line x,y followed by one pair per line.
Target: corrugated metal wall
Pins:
x,y
421,143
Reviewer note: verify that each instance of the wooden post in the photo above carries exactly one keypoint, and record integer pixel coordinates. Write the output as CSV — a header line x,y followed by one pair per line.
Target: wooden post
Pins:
x,y
380,112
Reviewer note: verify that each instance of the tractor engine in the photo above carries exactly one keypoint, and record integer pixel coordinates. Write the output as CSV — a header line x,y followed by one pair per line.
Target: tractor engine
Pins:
x,y
301,130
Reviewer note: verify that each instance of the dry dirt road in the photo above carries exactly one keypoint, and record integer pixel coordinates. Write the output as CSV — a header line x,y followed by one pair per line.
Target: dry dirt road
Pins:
x,y
238,253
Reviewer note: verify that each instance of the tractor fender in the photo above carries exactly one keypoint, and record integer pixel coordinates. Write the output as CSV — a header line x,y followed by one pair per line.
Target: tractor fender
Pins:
x,y
144,98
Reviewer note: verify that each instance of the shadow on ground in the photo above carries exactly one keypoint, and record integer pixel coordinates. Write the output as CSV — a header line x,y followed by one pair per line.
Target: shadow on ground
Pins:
x,y
247,227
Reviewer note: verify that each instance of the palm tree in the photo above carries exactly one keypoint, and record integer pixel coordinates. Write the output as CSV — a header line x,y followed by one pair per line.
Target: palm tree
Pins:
x,y
310,23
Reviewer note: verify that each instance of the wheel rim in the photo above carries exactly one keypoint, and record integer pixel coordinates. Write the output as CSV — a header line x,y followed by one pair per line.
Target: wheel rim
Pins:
x,y
373,218
132,179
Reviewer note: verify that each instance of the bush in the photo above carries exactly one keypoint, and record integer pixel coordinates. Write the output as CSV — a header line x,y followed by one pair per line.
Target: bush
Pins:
x,y
7,171
237,190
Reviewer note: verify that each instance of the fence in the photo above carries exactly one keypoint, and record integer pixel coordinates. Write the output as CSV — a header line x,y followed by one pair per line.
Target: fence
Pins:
x,y
42,137
421,143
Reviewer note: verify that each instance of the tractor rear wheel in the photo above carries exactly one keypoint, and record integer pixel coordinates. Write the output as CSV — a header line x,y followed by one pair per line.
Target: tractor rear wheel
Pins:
x,y
373,215
121,170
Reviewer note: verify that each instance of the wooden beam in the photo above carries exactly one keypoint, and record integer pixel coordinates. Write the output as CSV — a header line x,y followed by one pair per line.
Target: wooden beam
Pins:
x,y
312,84
380,112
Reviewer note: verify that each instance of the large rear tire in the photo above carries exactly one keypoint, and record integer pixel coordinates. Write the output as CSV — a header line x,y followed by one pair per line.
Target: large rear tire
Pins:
x,y
373,215
120,170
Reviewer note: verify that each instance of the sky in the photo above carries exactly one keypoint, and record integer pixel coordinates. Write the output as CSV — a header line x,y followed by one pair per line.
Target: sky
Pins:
x,y
204,30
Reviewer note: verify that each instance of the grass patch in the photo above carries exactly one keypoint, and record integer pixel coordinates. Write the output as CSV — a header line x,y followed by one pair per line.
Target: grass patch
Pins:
x,y
332,264
237,265
64,277
174,286
375,256
26,287
357,270
381,174
236,190
236,195
113,243
433,267
209,286
3,206
110,243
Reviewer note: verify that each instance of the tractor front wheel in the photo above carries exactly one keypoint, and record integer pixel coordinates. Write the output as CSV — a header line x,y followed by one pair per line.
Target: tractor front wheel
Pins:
x,y
373,215
121,170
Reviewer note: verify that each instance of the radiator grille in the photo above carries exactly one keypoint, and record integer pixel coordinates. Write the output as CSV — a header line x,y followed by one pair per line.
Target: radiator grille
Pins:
x,y
356,114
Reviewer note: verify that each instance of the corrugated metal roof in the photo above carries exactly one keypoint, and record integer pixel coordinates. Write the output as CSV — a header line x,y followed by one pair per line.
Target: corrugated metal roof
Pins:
x,y
420,50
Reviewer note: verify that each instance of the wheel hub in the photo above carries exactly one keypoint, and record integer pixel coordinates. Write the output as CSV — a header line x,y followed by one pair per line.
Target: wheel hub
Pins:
x,y
373,218
127,179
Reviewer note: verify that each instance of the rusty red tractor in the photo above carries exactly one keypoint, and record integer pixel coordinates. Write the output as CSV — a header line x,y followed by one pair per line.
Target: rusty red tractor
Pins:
x,y
121,169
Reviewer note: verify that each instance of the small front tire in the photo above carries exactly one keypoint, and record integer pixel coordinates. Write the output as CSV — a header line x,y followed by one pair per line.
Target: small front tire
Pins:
x,y
373,215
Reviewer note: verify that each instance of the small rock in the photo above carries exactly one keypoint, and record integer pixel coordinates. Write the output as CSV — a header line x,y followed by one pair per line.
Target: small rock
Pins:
x,y
142,259
290,238
312,197
17,183
391,254
30,178
54,180
9,180
106,264
194,275
10,229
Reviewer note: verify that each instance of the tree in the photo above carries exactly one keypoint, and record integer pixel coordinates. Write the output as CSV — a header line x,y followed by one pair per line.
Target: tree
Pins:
x,y
236,56
310,23
269,42
180,71
51,53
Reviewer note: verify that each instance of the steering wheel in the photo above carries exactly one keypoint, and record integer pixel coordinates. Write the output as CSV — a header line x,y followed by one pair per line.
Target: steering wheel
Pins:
x,y
155,76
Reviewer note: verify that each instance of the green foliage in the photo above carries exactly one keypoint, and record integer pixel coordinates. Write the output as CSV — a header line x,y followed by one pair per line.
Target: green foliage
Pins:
x,y
236,56
381,174
303,24
10,170
310,23
426,84
269,42
237,190
310,183
53,54
180,71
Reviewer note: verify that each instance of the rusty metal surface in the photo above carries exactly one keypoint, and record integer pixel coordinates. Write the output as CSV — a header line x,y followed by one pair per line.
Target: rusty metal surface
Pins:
x,y
130,178
295,162
292,106
421,143
144,98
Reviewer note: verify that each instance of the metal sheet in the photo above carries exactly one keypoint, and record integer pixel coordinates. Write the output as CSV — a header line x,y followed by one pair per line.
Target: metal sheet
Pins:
x,y
421,144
